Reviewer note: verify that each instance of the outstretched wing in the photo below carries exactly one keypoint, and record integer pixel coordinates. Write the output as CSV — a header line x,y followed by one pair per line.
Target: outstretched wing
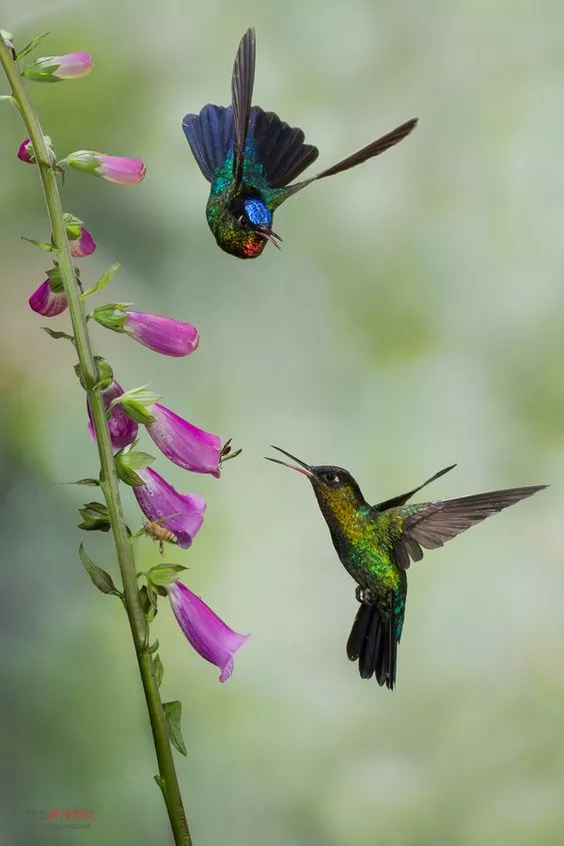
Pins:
x,y
242,83
209,135
279,148
403,498
372,149
431,524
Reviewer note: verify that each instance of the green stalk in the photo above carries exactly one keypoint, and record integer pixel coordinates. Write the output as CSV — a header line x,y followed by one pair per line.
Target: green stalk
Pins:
x,y
167,779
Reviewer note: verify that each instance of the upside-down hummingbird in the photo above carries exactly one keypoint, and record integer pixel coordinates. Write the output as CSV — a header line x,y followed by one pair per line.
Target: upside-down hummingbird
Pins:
x,y
250,156
377,543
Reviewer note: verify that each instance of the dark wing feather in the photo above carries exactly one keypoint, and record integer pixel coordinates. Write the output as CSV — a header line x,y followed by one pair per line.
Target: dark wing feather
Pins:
x,y
432,524
209,137
242,83
403,498
371,150
280,148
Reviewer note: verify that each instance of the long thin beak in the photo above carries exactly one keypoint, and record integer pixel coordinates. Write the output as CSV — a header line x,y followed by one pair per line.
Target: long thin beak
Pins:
x,y
303,468
269,236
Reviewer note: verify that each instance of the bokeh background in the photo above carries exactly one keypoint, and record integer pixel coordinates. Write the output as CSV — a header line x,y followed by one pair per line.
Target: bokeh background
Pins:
x,y
413,319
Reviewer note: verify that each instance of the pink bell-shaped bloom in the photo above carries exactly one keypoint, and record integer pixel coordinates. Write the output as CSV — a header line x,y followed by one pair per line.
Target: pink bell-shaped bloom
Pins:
x,y
157,499
123,430
205,631
115,169
47,302
183,443
164,335
82,246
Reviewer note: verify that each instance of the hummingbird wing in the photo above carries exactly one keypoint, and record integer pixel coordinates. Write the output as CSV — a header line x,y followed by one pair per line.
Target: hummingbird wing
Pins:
x,y
279,148
372,149
368,152
209,135
431,524
403,498
242,82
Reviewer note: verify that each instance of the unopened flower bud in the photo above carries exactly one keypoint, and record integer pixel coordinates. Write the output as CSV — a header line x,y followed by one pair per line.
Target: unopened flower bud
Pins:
x,y
115,169
56,68
47,302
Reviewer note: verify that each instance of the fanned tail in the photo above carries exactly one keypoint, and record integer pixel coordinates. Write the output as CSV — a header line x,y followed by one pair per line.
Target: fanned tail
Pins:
x,y
374,644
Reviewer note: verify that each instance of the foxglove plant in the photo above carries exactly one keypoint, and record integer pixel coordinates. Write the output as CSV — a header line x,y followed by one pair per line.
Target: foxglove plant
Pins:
x,y
115,415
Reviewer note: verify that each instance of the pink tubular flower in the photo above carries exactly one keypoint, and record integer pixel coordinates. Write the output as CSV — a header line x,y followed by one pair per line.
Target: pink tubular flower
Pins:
x,y
161,334
55,68
111,168
205,631
183,443
47,302
123,430
157,500
82,246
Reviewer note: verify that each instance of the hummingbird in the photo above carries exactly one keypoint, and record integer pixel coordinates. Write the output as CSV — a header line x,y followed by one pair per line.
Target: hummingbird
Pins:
x,y
376,545
250,157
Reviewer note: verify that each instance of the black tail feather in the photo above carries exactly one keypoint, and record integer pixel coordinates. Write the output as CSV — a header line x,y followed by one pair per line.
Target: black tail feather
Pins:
x,y
373,643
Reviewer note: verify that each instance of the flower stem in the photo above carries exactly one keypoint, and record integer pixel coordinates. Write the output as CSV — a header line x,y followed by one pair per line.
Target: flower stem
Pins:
x,y
167,779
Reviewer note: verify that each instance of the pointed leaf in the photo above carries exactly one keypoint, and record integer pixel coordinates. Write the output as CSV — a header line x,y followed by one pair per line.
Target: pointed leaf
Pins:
x,y
95,517
173,713
57,335
99,577
92,483
41,244
102,281
159,669
148,599
164,574
31,46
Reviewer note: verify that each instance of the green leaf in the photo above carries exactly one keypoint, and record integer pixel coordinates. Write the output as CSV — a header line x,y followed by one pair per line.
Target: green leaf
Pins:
x,y
148,599
58,335
31,46
173,712
164,574
102,281
99,577
127,462
41,244
92,483
159,669
95,517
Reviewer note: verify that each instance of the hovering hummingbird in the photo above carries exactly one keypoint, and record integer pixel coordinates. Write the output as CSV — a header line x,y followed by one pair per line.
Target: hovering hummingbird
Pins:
x,y
377,543
250,156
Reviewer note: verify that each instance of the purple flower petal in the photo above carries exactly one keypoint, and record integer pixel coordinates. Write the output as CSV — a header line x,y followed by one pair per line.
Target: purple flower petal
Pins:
x,y
123,430
82,246
206,632
25,152
73,65
46,302
157,499
183,443
161,334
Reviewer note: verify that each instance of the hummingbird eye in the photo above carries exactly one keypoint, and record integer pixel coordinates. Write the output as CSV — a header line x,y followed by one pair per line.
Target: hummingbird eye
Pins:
x,y
330,477
242,221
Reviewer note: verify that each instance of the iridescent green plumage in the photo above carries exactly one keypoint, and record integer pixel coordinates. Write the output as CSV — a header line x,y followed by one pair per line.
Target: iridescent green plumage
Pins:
x,y
377,543
250,157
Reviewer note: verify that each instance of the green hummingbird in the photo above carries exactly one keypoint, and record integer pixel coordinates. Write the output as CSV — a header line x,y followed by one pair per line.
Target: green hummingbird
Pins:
x,y
377,543
250,157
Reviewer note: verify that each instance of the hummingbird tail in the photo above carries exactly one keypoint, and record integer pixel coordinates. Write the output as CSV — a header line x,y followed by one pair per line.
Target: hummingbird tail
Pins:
x,y
373,642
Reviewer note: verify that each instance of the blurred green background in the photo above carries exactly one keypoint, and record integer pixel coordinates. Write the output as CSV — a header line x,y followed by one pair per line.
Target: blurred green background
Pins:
x,y
413,319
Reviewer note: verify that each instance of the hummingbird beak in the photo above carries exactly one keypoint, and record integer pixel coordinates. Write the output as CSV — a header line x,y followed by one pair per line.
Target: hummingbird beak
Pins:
x,y
268,235
303,468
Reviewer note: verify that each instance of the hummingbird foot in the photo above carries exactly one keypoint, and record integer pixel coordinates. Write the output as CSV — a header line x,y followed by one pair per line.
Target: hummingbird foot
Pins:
x,y
364,596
